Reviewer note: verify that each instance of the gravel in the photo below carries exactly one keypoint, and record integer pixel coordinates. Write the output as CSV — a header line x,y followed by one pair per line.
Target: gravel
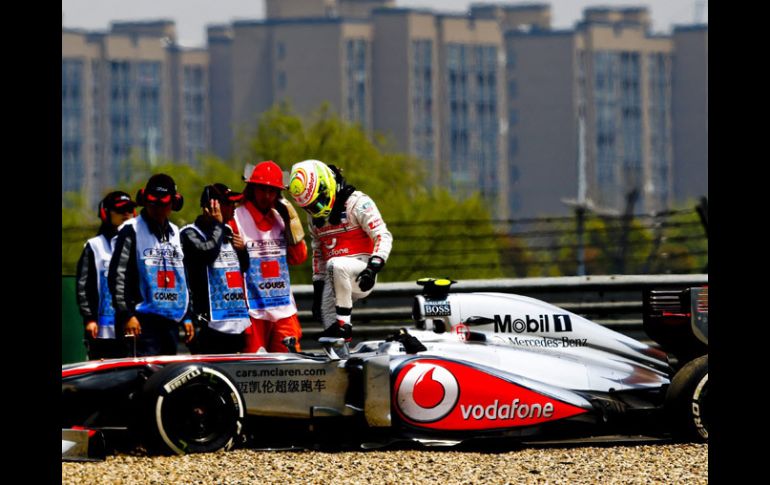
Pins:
x,y
657,463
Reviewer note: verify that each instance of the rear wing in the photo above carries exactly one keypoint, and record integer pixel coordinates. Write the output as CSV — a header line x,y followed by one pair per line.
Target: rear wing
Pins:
x,y
699,303
677,320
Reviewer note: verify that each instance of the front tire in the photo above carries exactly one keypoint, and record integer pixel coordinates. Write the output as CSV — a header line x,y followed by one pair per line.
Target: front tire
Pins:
x,y
687,401
191,408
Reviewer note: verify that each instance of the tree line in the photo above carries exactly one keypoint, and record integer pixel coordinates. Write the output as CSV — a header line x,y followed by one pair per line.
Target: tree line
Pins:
x,y
435,233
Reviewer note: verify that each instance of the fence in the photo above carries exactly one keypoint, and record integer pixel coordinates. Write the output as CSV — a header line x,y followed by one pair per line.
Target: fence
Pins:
x,y
612,301
666,242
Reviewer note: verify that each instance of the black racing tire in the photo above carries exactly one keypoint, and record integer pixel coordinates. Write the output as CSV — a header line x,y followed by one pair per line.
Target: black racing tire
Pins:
x,y
191,408
687,401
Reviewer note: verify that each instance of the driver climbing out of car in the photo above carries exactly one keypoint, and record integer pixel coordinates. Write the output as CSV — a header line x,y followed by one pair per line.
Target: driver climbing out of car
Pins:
x,y
273,238
350,242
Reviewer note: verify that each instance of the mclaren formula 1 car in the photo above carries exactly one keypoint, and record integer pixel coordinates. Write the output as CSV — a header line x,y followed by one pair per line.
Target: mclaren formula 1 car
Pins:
x,y
474,365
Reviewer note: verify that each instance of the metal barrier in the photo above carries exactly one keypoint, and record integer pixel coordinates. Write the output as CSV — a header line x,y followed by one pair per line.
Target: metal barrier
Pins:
x,y
72,348
614,301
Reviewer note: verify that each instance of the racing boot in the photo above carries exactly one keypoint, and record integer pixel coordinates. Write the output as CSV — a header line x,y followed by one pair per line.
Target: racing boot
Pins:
x,y
346,331
340,329
343,321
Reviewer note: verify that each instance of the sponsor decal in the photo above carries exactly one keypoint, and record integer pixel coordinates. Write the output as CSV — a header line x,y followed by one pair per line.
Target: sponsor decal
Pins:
x,y
507,411
181,379
234,296
462,331
161,296
546,342
267,383
267,285
168,252
280,372
536,324
329,230
265,244
311,184
337,252
562,323
375,223
696,411
366,206
282,386
446,395
437,308
426,392
574,342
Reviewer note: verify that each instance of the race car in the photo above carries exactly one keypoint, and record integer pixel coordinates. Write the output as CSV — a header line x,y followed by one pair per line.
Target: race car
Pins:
x,y
473,366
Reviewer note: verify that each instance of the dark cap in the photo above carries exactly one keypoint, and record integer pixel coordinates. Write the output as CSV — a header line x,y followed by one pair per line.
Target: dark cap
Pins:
x,y
220,192
118,201
160,189
160,184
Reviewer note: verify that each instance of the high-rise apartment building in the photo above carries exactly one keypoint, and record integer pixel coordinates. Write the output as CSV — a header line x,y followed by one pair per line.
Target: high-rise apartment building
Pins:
x,y
306,52
607,81
275,9
494,100
690,111
130,90
432,82
439,91
303,61
220,48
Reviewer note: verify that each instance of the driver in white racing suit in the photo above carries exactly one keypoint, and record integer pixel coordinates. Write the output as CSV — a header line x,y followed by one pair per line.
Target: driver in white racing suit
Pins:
x,y
350,242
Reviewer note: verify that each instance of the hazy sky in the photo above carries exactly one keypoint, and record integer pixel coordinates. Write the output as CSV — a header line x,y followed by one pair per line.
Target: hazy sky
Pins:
x,y
192,16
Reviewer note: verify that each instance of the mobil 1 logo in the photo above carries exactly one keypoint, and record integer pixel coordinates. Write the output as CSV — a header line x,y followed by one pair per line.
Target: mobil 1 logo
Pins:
x,y
437,308
533,324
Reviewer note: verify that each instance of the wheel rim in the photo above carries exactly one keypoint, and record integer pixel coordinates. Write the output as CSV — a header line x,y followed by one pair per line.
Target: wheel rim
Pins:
x,y
198,416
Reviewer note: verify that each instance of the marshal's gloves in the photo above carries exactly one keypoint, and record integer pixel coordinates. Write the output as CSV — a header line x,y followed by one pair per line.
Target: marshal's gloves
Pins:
x,y
318,291
366,277
294,231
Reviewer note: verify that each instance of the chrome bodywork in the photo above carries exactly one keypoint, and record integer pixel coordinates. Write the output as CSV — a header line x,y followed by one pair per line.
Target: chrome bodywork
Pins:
x,y
512,341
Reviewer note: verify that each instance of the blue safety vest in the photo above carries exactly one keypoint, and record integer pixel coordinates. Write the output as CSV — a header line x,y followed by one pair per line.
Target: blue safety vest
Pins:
x,y
102,249
227,302
162,281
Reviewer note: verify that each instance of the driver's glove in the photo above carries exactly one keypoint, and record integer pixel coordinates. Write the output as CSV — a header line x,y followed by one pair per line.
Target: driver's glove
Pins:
x,y
366,277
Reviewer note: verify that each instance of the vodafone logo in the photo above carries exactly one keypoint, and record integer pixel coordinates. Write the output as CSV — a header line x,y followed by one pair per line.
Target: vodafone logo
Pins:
x,y
426,392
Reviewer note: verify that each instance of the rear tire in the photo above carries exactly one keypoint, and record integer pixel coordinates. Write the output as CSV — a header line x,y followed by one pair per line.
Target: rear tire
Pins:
x,y
687,402
191,408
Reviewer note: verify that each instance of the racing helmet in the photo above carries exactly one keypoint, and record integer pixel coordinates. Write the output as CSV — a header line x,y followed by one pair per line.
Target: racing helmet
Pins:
x,y
313,187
